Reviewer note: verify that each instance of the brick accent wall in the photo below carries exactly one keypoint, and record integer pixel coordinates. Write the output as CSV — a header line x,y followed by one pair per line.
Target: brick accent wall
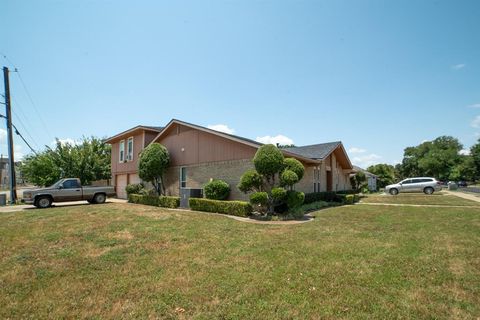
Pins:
x,y
306,184
199,174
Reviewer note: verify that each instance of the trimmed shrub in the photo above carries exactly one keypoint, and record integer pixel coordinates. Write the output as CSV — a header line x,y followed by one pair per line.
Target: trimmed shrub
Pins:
x,y
250,180
295,199
288,178
162,201
260,198
295,166
134,188
147,200
169,202
356,198
349,198
217,190
235,208
353,191
328,196
268,160
279,194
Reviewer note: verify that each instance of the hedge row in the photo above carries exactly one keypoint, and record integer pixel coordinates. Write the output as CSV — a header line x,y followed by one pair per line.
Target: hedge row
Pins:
x,y
331,196
162,201
235,208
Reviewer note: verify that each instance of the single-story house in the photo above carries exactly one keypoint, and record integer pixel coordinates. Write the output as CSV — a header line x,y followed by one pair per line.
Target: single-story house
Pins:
x,y
199,154
371,178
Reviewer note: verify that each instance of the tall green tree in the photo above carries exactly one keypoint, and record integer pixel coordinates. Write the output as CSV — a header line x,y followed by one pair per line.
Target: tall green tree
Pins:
x,y
465,170
385,174
475,154
88,160
432,158
153,163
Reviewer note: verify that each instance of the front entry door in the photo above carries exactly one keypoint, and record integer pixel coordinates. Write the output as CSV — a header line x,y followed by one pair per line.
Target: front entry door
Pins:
x,y
329,181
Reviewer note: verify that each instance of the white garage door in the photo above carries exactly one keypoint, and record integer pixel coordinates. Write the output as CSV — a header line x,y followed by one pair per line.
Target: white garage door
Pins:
x,y
120,185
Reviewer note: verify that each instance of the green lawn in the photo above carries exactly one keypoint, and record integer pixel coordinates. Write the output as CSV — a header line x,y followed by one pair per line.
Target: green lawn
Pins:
x,y
132,261
420,198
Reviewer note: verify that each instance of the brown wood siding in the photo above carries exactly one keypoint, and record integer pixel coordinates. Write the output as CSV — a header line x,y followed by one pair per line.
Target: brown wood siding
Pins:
x,y
149,136
189,146
129,166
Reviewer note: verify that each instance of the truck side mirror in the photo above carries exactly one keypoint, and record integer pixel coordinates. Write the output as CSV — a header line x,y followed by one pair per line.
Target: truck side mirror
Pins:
x,y
60,187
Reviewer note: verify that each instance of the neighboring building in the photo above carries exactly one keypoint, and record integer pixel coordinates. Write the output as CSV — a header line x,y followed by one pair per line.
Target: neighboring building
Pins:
x,y
5,173
198,154
371,178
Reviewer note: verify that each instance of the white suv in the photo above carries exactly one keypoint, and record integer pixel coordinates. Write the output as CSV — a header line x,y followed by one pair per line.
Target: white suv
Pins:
x,y
421,184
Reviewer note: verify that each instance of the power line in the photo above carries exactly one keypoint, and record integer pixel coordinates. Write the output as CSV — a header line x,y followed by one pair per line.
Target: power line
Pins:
x,y
18,133
28,94
22,124
33,103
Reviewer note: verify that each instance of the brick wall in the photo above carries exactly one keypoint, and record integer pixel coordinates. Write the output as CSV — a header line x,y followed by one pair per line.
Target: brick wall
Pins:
x,y
199,174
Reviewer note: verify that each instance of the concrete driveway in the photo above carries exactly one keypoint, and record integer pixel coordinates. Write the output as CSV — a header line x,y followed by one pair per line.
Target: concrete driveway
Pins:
x,y
22,207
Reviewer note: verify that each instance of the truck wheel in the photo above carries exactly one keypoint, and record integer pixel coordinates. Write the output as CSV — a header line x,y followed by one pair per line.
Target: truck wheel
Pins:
x,y
43,202
99,198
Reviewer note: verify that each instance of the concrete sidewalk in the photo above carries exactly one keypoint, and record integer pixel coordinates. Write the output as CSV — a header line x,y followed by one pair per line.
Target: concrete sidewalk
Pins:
x,y
22,207
463,195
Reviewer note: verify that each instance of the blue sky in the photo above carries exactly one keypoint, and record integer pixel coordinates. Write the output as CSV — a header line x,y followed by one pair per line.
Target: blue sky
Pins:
x,y
377,75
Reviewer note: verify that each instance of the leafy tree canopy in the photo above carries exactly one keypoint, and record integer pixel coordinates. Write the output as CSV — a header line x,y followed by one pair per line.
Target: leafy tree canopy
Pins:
x,y
88,160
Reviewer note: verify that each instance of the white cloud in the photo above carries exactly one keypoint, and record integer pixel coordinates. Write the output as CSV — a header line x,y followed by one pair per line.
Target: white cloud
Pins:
x,y
18,152
459,66
3,136
221,128
476,122
64,142
476,105
464,152
366,160
280,139
356,150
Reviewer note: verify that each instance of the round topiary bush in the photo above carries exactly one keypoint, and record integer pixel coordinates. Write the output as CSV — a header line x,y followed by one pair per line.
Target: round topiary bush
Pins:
x,y
217,190
259,198
250,180
268,160
295,199
279,194
288,178
295,166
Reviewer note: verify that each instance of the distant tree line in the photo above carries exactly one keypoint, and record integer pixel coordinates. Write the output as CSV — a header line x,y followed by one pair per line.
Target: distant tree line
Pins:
x,y
441,158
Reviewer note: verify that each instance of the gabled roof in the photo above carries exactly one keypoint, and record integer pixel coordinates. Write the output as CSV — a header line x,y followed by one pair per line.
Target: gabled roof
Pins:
x,y
315,151
367,173
311,154
131,130
322,151
243,140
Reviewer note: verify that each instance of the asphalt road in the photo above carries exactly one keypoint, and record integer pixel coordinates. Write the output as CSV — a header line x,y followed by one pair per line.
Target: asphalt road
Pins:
x,y
470,189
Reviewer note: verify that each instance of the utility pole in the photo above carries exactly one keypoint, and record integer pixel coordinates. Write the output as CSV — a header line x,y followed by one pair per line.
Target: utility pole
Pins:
x,y
11,166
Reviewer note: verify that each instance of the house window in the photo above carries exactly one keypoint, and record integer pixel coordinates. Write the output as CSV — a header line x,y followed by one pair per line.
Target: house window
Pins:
x,y
183,177
314,187
121,151
130,149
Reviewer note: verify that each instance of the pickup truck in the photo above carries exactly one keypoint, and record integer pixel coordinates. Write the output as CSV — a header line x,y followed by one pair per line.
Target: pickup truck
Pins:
x,y
66,190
